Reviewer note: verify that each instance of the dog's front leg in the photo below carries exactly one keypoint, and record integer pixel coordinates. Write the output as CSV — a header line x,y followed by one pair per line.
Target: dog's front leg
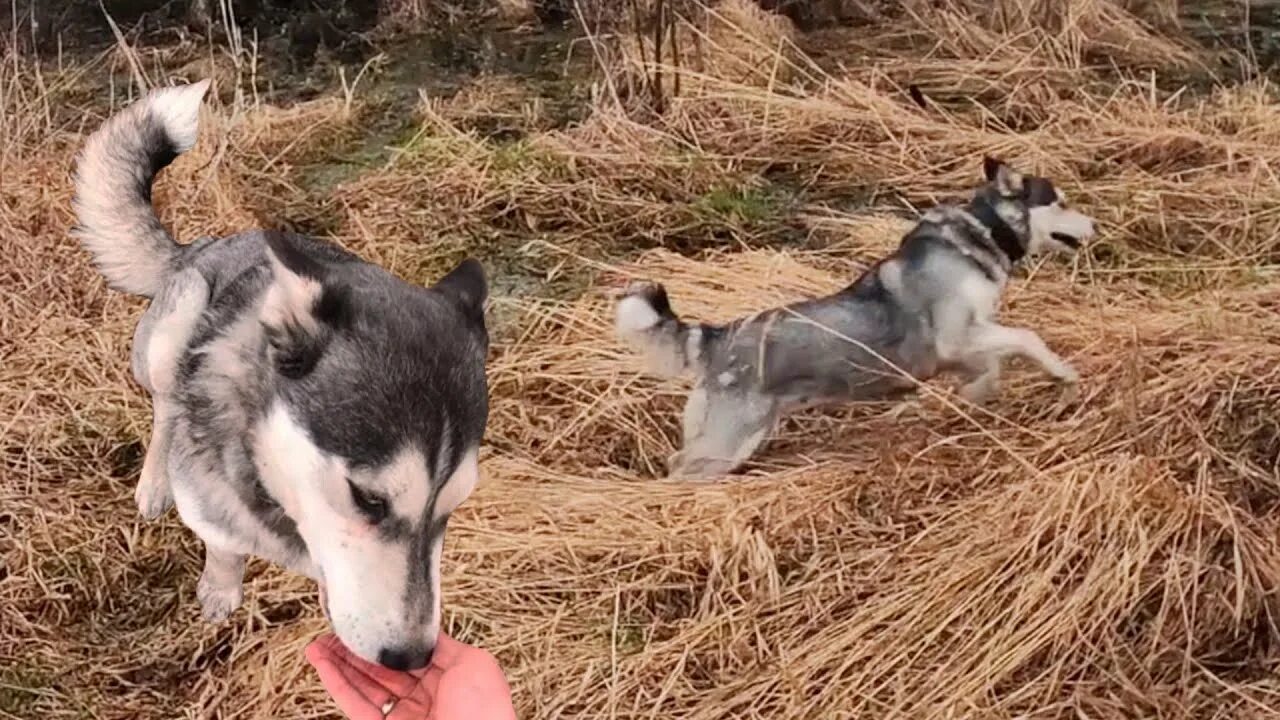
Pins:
x,y
984,378
221,586
1000,341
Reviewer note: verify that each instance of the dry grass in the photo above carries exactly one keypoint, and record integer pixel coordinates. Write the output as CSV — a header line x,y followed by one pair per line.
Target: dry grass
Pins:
x,y
1115,558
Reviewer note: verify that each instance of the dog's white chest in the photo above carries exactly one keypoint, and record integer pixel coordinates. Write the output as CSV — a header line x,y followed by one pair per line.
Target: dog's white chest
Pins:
x,y
980,295
220,518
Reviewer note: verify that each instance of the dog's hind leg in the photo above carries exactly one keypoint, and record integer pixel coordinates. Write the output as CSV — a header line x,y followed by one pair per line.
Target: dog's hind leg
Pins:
x,y
693,420
997,342
159,344
153,494
221,586
722,430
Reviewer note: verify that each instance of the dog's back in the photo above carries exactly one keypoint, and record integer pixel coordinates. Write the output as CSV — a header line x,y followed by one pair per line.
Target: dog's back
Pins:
x,y
869,340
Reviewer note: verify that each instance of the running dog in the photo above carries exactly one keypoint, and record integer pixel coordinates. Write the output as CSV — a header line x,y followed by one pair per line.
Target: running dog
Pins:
x,y
928,308
309,407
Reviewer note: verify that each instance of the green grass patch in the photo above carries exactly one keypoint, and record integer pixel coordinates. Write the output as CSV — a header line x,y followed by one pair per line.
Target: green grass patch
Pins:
x,y
21,687
744,205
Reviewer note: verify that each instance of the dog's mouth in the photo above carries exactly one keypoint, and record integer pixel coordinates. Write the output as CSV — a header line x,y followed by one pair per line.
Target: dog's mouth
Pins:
x,y
1070,241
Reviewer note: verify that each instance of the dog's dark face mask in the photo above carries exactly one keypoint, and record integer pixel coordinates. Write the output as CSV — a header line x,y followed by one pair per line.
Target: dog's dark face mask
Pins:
x,y
371,442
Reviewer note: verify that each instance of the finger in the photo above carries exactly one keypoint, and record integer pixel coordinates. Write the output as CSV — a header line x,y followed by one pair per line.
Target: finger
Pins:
x,y
425,691
349,698
410,708
396,683
450,652
376,692
464,692
321,647
322,643
332,651
429,683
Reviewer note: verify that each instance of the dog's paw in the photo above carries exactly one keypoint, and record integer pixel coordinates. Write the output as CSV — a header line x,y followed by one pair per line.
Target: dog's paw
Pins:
x,y
153,498
909,408
675,465
1070,381
698,469
1066,374
1070,391
152,495
980,392
217,602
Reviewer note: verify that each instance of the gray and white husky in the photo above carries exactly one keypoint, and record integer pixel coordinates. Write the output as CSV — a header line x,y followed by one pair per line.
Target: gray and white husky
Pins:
x,y
929,307
309,407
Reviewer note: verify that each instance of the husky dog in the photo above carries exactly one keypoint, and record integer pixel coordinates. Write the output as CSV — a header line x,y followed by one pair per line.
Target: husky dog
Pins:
x,y
309,407
929,307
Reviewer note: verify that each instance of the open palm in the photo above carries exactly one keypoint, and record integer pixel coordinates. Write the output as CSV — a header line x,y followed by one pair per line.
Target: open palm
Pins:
x,y
461,682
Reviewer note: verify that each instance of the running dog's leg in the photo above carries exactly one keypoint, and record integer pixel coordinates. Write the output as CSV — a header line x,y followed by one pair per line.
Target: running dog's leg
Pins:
x,y
695,414
728,429
706,460
910,406
984,378
695,417
221,586
1002,341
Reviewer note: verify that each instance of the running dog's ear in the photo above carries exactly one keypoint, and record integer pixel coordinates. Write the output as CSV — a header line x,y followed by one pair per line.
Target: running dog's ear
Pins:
x,y
1007,181
467,286
301,310
991,167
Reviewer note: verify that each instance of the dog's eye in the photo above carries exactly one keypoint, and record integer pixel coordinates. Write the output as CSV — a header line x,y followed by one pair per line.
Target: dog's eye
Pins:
x,y
373,507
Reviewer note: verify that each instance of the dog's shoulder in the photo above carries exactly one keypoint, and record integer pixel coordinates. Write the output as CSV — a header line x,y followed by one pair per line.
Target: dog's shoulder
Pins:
x,y
949,238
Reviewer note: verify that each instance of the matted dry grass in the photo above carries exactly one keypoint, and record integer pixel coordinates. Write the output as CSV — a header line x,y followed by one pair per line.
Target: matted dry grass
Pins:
x,y
1112,558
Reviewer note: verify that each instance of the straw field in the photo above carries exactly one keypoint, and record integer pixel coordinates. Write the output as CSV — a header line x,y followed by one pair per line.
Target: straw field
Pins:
x,y
1115,556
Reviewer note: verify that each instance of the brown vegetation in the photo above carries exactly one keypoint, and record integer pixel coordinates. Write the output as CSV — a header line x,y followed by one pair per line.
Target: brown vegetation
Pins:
x,y
1112,558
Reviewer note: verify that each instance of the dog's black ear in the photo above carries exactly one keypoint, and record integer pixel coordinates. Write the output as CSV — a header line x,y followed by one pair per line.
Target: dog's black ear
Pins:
x,y
917,96
991,167
466,284
1008,182
302,307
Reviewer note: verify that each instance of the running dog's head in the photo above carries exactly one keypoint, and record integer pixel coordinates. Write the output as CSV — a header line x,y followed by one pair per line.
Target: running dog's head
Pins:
x,y
1034,209
370,441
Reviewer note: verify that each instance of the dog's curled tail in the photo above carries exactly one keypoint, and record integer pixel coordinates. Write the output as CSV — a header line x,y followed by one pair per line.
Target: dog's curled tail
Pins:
x,y
114,218
646,322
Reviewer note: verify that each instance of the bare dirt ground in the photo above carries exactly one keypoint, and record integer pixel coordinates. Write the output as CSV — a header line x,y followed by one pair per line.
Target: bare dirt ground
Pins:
x,y
1114,557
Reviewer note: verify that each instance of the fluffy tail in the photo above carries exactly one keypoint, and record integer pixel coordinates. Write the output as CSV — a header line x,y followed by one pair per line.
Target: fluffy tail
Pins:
x,y
646,322
115,219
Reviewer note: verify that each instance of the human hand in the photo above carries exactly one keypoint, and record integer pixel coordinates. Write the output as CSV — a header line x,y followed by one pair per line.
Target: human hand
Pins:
x,y
461,683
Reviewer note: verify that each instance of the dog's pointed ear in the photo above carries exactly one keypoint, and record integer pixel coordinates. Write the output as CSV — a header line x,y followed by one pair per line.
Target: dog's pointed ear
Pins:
x,y
466,284
301,308
1007,180
991,167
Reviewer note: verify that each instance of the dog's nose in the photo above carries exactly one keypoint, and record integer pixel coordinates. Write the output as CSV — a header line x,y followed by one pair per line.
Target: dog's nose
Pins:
x,y
408,657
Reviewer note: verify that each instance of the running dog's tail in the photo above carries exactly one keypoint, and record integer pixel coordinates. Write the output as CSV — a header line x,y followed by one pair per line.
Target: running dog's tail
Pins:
x,y
646,322
115,220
